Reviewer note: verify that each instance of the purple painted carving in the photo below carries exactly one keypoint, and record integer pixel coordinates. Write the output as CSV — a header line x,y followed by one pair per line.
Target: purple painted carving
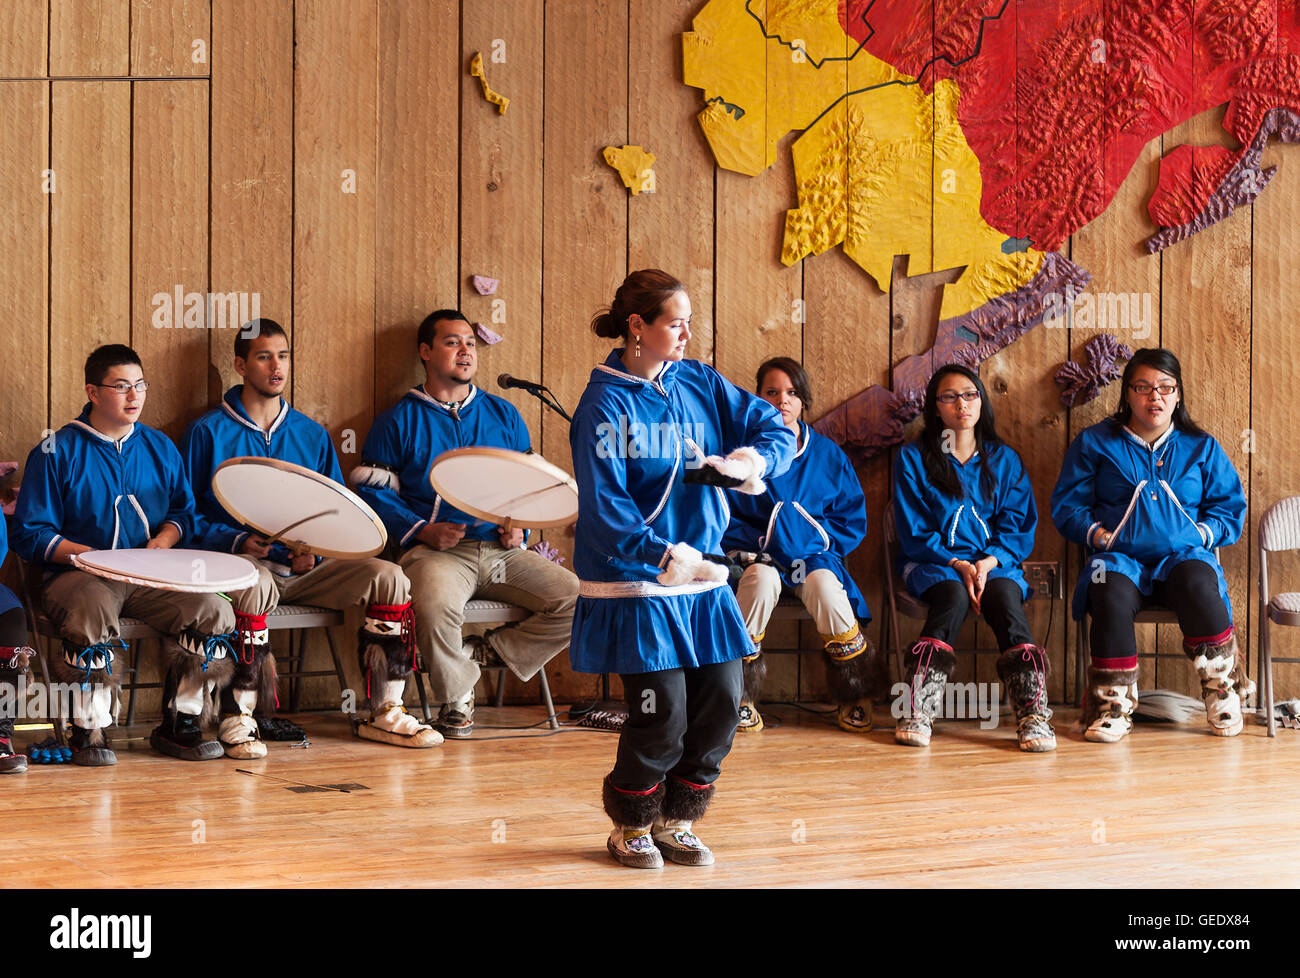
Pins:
x,y
547,551
486,335
1081,383
871,421
1243,183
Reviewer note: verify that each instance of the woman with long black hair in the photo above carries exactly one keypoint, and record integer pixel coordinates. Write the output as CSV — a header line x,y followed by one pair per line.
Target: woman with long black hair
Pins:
x,y
1151,495
965,517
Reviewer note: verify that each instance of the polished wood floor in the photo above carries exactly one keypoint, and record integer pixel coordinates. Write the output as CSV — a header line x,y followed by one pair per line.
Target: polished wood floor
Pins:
x,y
800,804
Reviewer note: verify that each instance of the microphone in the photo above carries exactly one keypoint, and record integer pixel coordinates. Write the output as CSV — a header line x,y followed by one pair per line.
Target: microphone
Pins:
x,y
505,382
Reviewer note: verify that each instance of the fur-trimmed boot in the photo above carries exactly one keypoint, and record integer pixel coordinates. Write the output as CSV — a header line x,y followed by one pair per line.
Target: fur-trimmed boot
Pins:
x,y
935,663
1023,671
13,664
684,804
1108,704
386,651
253,681
1223,681
853,677
200,665
88,670
634,814
755,671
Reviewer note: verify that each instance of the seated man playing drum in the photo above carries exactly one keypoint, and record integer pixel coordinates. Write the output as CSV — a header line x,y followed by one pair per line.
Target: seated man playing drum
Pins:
x,y
255,420
450,556
107,482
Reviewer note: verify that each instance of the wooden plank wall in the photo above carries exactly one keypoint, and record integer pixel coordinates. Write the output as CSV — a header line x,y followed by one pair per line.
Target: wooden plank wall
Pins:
x,y
335,158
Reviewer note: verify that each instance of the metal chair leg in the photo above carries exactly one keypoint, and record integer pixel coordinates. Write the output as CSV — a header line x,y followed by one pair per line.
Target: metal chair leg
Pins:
x,y
1266,674
132,670
298,640
338,664
424,702
546,698
500,683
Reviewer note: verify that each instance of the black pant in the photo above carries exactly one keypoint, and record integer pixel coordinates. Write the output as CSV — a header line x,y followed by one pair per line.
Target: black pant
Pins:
x,y
1191,590
1001,605
680,722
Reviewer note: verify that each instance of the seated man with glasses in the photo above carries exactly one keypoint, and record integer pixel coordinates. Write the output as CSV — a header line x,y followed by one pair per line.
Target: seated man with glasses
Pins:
x,y
1150,495
107,482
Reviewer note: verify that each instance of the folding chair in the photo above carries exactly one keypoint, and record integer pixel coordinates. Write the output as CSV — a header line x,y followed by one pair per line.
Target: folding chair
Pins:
x,y
483,612
1278,530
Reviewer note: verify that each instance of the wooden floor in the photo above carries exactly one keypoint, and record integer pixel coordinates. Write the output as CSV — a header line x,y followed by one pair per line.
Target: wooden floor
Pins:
x,y
800,804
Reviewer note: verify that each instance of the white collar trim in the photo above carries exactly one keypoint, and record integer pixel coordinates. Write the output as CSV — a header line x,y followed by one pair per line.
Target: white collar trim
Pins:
x,y
119,442
419,392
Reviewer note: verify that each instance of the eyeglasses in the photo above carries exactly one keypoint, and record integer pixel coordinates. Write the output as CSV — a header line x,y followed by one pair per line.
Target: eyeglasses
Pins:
x,y
140,386
951,397
1144,390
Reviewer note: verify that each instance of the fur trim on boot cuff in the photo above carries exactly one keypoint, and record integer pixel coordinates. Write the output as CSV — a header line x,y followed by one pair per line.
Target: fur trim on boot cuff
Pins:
x,y
755,675
686,802
629,808
1097,678
933,656
1023,670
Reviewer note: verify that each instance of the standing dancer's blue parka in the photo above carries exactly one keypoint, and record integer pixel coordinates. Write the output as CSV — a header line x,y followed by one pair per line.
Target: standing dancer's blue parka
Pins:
x,y
934,527
811,518
1174,500
632,441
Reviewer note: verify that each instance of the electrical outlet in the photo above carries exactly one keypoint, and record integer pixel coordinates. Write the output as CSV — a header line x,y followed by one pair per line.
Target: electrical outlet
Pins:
x,y
1044,576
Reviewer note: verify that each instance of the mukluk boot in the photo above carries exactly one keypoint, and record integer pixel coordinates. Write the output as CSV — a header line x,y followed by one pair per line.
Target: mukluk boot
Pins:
x,y
386,651
13,664
88,670
634,814
684,804
1223,681
852,677
1023,671
755,673
200,665
1108,704
935,662
254,681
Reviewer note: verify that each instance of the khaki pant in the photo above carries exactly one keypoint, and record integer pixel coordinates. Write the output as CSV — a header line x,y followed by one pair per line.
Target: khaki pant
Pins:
x,y
87,608
821,593
333,583
442,581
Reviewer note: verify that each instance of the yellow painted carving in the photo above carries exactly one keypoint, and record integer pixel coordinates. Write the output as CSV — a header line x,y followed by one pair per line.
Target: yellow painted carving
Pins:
x,y
476,69
634,165
881,167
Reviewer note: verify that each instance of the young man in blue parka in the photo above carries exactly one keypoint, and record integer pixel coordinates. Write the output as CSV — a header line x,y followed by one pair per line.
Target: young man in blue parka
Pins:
x,y
1151,496
450,556
254,419
107,482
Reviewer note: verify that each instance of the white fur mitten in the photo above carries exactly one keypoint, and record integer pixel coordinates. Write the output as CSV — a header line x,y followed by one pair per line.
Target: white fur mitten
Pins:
x,y
744,464
687,564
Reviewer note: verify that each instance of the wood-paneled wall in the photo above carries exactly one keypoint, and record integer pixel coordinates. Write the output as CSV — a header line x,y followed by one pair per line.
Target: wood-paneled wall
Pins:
x,y
335,157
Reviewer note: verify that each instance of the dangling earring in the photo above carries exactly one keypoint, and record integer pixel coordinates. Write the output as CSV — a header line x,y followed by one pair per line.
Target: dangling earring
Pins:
x,y
636,352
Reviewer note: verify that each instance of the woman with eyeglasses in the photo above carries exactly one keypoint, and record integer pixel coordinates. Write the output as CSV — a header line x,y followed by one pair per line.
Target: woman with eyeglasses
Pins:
x,y
1150,495
965,518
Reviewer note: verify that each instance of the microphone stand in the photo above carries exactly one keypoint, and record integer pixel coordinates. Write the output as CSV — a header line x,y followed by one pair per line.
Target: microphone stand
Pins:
x,y
545,395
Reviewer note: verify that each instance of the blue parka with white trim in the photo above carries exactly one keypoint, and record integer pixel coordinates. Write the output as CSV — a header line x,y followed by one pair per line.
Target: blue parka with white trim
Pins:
x,y
228,432
407,439
633,440
811,518
1167,502
933,527
106,494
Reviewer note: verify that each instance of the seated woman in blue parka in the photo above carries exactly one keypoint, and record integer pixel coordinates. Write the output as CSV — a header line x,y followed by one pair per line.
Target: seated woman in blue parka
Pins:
x,y
798,534
1151,495
965,517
